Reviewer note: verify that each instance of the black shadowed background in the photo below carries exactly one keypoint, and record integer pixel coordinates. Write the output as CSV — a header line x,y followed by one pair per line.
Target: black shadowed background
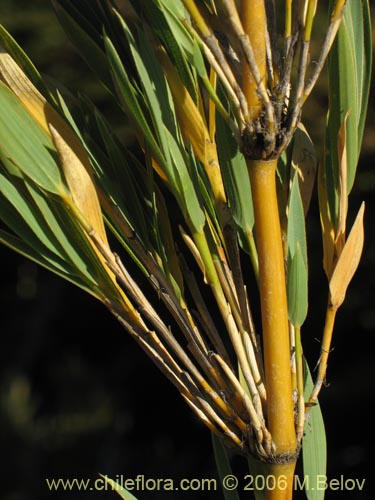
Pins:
x,y
77,395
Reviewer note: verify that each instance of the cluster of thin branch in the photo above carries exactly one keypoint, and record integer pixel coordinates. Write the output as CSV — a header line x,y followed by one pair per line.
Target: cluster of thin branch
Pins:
x,y
217,365
282,94
205,376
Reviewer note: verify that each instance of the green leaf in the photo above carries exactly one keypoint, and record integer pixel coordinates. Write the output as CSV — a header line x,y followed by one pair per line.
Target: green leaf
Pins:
x,y
45,225
117,170
130,97
166,142
23,143
175,12
157,95
223,466
64,237
297,258
186,193
296,222
164,17
123,493
199,61
122,178
258,469
161,106
349,84
297,288
14,221
19,246
236,181
79,30
12,190
165,241
203,189
314,446
60,245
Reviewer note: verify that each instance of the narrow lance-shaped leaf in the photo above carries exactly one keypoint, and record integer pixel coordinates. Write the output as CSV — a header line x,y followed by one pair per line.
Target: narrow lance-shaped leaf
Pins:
x,y
314,446
237,183
166,146
43,113
157,95
88,47
17,195
45,228
123,179
176,14
62,233
155,90
31,152
175,38
350,76
224,468
297,258
129,96
297,288
187,194
30,252
296,221
21,219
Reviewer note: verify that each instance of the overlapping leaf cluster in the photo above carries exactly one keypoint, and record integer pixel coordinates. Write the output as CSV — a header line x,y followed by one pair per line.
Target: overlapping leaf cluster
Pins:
x,y
179,200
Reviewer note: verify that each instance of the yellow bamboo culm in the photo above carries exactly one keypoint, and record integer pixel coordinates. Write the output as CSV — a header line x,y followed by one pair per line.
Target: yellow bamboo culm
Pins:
x,y
273,305
272,283
254,21
275,330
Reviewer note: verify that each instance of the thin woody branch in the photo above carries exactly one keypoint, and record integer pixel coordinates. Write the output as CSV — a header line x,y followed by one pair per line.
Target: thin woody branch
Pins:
x,y
327,45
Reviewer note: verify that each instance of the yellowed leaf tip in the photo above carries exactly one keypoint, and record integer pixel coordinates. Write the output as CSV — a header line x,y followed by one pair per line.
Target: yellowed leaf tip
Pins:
x,y
348,261
80,184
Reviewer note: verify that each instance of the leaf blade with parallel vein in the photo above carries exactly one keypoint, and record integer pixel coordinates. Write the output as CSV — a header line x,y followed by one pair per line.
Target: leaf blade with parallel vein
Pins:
x,y
20,246
349,69
130,98
314,446
23,143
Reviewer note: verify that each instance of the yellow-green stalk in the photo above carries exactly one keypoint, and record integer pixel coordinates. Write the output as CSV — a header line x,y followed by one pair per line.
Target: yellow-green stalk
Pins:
x,y
272,285
254,21
274,308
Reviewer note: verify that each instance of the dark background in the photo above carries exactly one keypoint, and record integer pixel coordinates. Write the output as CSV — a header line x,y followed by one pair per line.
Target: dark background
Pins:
x,y
78,397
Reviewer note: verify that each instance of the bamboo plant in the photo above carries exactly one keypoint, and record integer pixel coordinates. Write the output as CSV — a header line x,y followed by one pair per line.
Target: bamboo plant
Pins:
x,y
208,202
